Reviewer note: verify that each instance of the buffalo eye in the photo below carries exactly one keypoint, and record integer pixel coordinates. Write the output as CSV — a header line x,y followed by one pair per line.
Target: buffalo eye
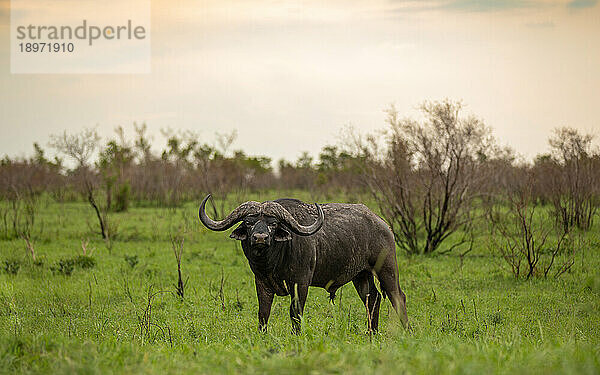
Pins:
x,y
271,222
250,221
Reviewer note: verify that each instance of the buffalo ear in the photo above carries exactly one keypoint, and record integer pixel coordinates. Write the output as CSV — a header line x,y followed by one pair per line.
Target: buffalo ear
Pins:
x,y
282,234
239,233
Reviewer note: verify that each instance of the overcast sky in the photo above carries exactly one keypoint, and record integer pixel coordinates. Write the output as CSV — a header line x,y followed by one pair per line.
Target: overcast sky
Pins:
x,y
290,75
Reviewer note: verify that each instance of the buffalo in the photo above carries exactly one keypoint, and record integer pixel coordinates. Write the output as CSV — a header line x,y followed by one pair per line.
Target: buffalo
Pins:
x,y
291,245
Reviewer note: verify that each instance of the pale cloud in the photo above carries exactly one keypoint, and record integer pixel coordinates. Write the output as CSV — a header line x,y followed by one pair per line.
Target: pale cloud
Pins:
x,y
581,4
467,5
488,5
402,7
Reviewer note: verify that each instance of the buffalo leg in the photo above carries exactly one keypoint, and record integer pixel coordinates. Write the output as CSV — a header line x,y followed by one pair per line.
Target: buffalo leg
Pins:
x,y
388,279
370,296
298,294
265,300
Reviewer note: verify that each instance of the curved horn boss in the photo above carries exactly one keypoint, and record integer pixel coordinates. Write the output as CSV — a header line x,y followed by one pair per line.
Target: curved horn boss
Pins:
x,y
254,208
244,209
277,210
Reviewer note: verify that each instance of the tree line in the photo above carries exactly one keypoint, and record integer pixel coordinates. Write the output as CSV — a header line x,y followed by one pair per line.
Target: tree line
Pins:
x,y
432,179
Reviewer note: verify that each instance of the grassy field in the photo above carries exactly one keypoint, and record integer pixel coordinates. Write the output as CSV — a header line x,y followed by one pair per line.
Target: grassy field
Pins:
x,y
469,315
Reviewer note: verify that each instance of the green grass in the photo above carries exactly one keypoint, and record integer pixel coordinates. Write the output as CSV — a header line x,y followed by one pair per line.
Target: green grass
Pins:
x,y
469,315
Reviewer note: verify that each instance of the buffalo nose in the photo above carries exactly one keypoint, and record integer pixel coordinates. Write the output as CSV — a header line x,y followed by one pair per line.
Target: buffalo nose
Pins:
x,y
260,237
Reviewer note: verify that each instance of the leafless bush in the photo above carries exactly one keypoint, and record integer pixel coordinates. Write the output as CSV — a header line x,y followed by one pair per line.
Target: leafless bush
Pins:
x,y
22,182
26,227
425,182
30,247
80,147
177,242
569,178
522,234
150,329
21,185
219,296
87,251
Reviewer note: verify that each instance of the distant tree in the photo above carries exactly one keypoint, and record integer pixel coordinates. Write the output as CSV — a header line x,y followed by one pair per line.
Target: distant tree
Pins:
x,y
298,175
576,178
142,144
225,140
22,183
114,164
80,147
305,161
338,169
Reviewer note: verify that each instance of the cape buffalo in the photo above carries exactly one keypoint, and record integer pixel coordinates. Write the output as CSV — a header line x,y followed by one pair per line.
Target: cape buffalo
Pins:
x,y
291,245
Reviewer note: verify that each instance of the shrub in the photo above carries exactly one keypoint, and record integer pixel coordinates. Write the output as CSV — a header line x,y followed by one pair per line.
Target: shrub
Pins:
x,y
84,261
64,266
132,260
38,262
122,197
524,236
12,266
